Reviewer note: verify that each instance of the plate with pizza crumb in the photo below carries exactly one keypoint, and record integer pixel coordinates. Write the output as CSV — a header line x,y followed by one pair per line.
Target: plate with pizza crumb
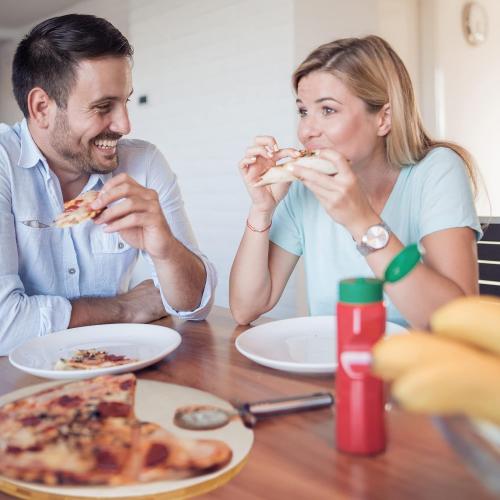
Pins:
x,y
89,351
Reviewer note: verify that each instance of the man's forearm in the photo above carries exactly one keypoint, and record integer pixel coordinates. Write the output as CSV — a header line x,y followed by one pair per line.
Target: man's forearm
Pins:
x,y
142,304
182,277
97,311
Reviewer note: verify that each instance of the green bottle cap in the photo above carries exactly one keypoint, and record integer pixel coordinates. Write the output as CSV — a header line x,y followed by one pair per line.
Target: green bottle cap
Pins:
x,y
360,290
402,264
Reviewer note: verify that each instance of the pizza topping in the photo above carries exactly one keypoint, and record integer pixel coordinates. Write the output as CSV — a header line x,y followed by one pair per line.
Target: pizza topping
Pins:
x,y
126,385
14,449
113,409
70,401
106,461
31,421
86,359
157,454
113,357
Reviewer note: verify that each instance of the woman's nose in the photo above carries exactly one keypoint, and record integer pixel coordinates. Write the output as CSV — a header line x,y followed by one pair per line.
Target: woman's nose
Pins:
x,y
308,128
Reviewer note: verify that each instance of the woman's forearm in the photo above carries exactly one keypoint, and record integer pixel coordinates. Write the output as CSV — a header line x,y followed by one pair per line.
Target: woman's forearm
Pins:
x,y
250,280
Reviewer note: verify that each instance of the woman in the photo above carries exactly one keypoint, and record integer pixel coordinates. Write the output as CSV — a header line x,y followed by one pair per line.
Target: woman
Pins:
x,y
394,186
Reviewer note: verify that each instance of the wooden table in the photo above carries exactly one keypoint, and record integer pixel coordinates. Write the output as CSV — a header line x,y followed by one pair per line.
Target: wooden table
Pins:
x,y
294,457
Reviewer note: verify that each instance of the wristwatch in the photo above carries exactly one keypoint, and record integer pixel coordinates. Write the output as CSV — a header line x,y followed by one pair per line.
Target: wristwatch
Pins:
x,y
375,238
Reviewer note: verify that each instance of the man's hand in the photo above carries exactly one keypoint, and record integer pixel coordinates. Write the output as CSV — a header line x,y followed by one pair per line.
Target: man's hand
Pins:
x,y
137,216
142,304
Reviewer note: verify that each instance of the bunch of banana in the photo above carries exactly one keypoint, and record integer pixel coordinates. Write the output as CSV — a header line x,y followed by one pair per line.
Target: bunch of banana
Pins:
x,y
455,369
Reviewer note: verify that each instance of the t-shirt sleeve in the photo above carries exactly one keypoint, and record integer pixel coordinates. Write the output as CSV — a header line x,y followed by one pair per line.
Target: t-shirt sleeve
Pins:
x,y
446,194
285,231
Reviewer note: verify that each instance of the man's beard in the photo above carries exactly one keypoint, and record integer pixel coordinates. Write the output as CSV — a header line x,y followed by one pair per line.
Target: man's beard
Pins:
x,y
79,157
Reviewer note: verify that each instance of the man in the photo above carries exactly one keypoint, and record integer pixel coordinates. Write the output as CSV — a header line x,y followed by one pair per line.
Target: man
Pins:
x,y
72,81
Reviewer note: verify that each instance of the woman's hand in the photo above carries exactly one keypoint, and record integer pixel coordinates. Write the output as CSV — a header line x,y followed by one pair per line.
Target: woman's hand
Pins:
x,y
259,158
340,194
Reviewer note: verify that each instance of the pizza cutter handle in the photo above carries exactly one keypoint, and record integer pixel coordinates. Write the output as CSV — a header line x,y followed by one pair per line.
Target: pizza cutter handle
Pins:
x,y
283,406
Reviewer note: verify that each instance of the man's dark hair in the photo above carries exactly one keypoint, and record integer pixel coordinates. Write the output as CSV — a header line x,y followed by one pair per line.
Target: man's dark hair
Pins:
x,y
48,55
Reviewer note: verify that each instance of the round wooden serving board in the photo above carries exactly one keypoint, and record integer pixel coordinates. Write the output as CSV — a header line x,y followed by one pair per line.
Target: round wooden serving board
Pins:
x,y
155,402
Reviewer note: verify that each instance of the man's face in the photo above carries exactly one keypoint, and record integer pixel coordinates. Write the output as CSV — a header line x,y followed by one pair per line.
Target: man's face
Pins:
x,y
84,135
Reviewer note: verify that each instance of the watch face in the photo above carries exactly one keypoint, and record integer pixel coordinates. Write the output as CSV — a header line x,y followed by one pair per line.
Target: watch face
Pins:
x,y
376,237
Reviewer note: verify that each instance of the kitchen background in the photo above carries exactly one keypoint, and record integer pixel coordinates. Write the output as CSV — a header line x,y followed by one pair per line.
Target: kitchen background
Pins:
x,y
215,73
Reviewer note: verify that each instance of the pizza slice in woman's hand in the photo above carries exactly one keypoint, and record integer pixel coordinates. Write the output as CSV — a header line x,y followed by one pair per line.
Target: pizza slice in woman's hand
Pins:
x,y
280,173
78,210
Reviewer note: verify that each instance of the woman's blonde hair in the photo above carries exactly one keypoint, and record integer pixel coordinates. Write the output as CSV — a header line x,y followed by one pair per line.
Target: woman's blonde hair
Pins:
x,y
373,71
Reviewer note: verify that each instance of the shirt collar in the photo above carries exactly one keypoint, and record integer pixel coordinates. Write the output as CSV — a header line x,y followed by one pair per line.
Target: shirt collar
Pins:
x,y
30,154
96,180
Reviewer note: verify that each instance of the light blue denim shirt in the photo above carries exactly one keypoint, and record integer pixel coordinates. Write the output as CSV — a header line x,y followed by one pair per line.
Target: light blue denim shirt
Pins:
x,y
42,267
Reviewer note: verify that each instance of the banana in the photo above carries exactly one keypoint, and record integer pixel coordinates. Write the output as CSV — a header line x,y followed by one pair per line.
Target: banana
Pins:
x,y
474,319
466,386
396,355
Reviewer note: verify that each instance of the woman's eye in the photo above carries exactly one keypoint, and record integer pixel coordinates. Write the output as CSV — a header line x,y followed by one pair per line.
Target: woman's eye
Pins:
x,y
327,111
302,112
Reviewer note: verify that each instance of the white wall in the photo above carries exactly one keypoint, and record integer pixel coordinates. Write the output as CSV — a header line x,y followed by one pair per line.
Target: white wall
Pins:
x,y
216,74
461,95
9,112
115,11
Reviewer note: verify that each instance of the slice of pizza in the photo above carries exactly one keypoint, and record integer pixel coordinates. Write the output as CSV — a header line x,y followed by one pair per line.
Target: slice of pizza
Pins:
x,y
88,359
86,433
78,210
280,173
159,455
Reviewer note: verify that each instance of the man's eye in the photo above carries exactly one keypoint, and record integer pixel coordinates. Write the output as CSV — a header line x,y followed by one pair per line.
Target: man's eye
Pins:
x,y
103,108
327,111
302,112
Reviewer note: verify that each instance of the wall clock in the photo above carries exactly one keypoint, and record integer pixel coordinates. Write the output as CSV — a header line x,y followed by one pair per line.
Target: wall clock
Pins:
x,y
475,23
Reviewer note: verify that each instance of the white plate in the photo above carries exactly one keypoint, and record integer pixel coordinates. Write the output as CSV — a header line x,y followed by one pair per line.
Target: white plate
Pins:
x,y
301,345
146,343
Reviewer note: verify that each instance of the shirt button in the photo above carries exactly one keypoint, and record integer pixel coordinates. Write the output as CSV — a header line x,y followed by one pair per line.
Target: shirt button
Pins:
x,y
71,270
120,245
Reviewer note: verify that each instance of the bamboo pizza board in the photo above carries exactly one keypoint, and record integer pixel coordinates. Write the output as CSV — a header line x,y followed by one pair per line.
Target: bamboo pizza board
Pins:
x,y
155,402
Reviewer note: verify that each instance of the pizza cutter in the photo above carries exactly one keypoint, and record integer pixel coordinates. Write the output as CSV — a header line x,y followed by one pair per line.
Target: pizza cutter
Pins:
x,y
206,417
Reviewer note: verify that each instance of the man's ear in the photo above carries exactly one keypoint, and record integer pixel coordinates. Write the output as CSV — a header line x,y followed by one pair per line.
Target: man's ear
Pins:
x,y
384,120
40,107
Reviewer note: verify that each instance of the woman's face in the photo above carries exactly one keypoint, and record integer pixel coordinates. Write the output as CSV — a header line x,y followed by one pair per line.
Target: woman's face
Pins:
x,y
331,116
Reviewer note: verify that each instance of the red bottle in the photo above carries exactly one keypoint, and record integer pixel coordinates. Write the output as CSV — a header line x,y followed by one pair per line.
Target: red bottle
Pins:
x,y
359,401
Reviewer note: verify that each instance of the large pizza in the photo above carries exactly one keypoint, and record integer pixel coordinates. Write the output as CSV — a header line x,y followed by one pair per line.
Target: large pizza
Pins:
x,y
86,433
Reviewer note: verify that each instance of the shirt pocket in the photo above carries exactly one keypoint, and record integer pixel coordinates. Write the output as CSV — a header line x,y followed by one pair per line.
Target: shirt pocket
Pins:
x,y
37,255
108,243
113,260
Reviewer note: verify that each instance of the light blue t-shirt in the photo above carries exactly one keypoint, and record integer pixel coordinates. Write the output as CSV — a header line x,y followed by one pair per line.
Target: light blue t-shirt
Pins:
x,y
432,195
